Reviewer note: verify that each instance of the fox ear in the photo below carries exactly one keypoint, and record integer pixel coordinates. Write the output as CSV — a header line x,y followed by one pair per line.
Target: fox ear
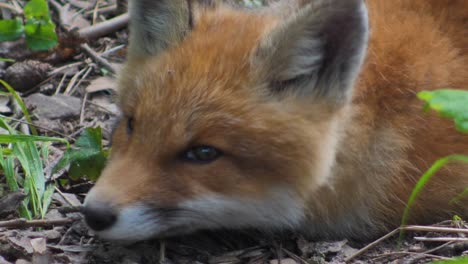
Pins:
x,y
157,24
318,51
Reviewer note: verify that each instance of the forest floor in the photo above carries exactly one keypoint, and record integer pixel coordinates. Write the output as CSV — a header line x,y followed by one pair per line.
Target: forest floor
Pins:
x,y
71,88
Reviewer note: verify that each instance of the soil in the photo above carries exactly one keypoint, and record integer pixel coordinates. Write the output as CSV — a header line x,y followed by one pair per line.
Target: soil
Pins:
x,y
71,88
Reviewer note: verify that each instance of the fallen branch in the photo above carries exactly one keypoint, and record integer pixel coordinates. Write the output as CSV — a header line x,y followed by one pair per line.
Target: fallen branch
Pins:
x,y
23,223
104,28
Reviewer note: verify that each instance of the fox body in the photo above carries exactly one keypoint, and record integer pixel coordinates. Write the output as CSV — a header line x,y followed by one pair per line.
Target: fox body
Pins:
x,y
300,116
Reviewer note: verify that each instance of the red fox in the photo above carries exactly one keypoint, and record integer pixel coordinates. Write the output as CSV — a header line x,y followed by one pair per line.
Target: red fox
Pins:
x,y
299,116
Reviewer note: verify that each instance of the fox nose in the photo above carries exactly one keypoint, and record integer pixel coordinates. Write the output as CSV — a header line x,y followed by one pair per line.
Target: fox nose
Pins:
x,y
99,216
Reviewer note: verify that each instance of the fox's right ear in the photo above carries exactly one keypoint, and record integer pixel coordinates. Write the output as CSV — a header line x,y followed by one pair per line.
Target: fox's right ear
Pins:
x,y
156,25
317,52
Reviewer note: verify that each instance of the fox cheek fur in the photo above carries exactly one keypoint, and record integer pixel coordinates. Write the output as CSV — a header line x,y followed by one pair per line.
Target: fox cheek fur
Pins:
x,y
235,119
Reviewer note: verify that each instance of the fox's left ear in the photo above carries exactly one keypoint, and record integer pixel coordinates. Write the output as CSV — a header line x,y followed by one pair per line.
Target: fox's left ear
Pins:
x,y
317,52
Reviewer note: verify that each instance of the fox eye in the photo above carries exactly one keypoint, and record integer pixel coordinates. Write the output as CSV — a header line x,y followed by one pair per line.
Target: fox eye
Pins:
x,y
202,154
130,125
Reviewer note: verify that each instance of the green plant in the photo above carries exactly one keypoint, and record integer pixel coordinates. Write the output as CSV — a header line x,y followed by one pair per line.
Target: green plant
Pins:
x,y
36,26
22,162
449,103
87,158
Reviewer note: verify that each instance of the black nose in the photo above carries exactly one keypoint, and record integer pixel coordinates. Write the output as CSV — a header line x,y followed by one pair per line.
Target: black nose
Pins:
x,y
99,216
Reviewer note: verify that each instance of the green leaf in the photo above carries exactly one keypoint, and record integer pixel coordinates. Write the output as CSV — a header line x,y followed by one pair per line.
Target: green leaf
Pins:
x,y
47,198
29,138
88,158
8,167
11,29
40,35
448,103
36,9
39,28
7,60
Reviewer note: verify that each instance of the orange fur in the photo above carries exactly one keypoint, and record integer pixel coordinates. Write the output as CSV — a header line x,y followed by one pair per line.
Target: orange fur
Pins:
x,y
203,91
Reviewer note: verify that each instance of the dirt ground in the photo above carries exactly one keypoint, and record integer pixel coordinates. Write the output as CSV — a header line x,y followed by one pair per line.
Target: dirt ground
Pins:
x,y
71,88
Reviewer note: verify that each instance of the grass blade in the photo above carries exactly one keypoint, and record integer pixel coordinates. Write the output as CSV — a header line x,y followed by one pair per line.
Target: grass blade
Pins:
x,y
23,107
423,181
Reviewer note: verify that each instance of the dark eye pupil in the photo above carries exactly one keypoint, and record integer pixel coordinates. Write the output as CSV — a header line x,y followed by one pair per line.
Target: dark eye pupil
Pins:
x,y
202,154
130,125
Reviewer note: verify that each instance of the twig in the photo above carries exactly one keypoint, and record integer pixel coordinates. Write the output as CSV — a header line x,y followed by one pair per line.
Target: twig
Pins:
x,y
38,126
371,245
96,57
441,239
59,86
90,68
103,10
294,256
435,229
437,248
64,197
102,108
112,50
23,223
65,67
82,110
415,228
95,11
104,28
73,81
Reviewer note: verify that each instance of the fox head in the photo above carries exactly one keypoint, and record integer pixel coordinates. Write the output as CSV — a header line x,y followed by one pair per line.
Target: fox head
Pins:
x,y
230,117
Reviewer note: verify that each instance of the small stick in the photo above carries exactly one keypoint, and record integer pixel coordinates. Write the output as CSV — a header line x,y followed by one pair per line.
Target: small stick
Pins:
x,y
95,11
82,111
104,28
96,57
103,10
371,245
59,86
40,127
437,248
294,256
82,78
64,197
72,82
435,229
65,67
23,223
101,108
441,239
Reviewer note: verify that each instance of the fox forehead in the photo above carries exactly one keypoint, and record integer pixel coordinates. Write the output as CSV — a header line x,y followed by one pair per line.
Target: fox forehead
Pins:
x,y
211,62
